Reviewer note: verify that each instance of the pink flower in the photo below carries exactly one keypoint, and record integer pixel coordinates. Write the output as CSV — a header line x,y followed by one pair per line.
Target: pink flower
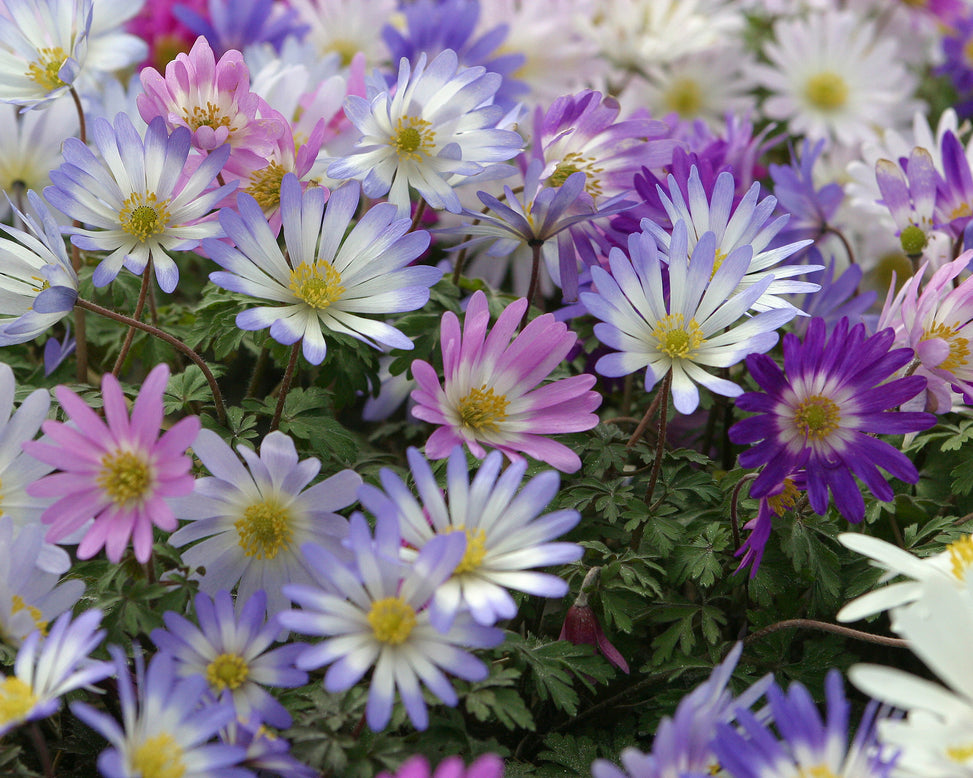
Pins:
x,y
119,474
213,99
489,397
487,766
938,325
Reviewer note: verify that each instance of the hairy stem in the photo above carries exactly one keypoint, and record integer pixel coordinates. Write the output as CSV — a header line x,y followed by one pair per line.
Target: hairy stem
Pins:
x,y
824,626
285,385
139,306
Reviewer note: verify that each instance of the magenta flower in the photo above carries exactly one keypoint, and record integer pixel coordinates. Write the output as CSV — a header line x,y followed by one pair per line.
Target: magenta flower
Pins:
x,y
120,474
487,766
213,99
489,397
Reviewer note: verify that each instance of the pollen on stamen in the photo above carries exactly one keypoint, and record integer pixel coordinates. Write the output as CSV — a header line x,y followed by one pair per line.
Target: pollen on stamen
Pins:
x,y
481,410
265,186
45,70
959,347
318,284
677,339
412,138
264,529
961,556
144,215
816,417
392,620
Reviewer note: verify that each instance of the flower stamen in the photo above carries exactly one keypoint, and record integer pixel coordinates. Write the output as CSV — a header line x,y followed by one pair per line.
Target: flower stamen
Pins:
x,y
16,699
227,671
318,285
125,477
265,186
45,71
264,529
826,91
412,138
676,339
143,215
482,409
961,556
392,620
159,757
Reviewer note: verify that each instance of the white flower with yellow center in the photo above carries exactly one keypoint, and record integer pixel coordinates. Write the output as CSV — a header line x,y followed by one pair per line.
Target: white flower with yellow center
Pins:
x,y
691,330
831,75
136,197
506,537
437,128
375,613
255,518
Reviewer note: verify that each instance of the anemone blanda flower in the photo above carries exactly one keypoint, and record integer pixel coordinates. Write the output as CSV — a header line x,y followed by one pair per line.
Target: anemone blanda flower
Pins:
x,y
831,75
684,333
237,25
43,46
746,224
804,743
437,128
232,651
346,27
489,397
136,196
255,517
30,595
506,537
938,324
119,471
325,280
375,614
683,744
49,666
38,284
266,753
166,726
212,100
820,414
487,766
780,499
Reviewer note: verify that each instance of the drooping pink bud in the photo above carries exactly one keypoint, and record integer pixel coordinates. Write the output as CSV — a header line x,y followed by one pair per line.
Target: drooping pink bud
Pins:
x,y
581,626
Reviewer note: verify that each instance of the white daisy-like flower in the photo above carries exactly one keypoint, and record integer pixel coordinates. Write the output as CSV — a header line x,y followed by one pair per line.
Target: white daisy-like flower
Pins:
x,y
831,75
136,197
346,27
951,565
325,280
506,537
934,738
694,328
750,224
43,47
434,130
48,667
255,518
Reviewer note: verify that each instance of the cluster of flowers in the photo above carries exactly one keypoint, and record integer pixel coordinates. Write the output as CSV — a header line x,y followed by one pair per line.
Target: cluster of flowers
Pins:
x,y
267,149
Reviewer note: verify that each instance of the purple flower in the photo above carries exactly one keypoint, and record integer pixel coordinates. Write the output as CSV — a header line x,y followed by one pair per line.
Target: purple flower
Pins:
x,y
487,766
910,197
782,497
821,414
55,351
231,652
120,473
236,24
490,397
810,208
803,743
837,298
683,744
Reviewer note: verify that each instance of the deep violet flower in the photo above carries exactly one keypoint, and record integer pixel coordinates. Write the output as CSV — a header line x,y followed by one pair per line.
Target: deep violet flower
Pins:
x,y
489,397
820,413
119,471
236,24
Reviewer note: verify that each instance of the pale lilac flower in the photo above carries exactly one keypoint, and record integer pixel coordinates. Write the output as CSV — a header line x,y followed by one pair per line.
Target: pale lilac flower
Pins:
x,y
376,614
506,537
695,328
136,195
233,653
48,667
326,280
256,517
212,99
436,129
120,473
165,725
490,397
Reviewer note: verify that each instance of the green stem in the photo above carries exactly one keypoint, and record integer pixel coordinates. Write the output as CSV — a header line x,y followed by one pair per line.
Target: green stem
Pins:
x,y
660,448
139,306
177,344
285,385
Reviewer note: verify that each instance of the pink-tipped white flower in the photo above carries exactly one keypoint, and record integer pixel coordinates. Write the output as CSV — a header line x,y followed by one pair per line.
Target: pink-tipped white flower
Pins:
x,y
489,397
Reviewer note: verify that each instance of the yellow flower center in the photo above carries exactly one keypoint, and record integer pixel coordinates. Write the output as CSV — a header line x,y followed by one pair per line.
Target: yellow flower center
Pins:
x,y
577,163
961,211
347,49
816,417
961,556
125,477
959,347
475,549
45,71
392,620
412,138
684,97
676,339
318,285
826,91
227,671
786,500
18,605
482,409
820,771
159,757
143,216
960,753
265,186
17,699
208,116
264,529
